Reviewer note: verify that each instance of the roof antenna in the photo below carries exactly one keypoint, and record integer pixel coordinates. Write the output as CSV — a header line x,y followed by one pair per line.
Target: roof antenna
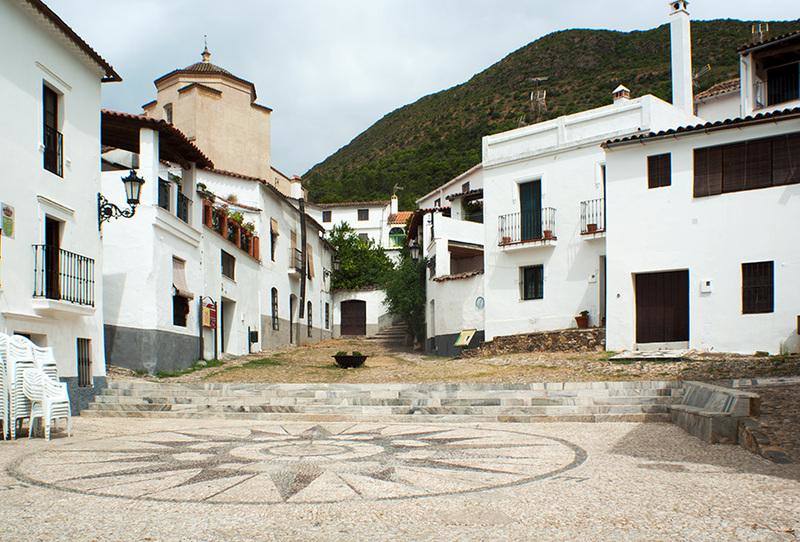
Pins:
x,y
700,73
538,102
206,54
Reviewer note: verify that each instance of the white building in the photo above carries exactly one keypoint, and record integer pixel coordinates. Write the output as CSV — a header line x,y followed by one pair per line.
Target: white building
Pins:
x,y
50,249
721,268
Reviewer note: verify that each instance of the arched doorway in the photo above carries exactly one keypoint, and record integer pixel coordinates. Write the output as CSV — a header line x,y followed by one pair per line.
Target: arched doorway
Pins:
x,y
354,317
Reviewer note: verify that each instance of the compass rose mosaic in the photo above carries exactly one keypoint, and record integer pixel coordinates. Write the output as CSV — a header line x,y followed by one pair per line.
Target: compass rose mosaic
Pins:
x,y
270,464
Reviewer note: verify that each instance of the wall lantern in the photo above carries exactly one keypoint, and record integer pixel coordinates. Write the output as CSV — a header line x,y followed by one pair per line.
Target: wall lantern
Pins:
x,y
133,190
413,250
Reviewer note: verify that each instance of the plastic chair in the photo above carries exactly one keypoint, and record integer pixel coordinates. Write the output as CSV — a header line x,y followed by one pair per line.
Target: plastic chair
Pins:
x,y
3,386
49,400
44,360
20,357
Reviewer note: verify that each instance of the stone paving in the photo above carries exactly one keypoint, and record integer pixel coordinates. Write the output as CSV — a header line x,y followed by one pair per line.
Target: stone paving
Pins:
x,y
173,479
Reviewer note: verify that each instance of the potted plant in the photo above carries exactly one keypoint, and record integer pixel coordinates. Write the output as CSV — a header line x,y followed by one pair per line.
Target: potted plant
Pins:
x,y
582,320
349,361
506,240
591,228
548,235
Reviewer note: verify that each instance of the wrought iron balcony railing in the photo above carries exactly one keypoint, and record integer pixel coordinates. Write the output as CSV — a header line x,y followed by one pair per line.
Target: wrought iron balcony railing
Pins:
x,y
62,275
53,151
527,227
593,219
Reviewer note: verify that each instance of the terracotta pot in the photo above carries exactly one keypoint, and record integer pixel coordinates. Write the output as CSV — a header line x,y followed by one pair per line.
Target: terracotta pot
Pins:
x,y
582,321
548,235
505,241
591,228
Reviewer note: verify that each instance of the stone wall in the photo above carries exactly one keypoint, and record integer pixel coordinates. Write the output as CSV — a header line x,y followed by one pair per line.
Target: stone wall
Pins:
x,y
566,340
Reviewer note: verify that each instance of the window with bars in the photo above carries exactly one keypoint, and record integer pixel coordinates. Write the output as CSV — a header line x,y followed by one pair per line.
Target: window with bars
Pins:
x,y
363,214
326,216
309,321
84,356
228,265
532,282
659,170
758,287
747,165
275,321
327,315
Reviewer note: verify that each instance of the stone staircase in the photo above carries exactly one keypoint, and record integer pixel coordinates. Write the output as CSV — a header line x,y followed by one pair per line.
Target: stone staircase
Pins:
x,y
526,403
394,336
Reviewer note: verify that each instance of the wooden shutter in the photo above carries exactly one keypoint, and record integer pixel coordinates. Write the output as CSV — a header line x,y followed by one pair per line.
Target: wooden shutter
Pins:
x,y
786,159
707,171
530,207
758,287
759,164
734,167
659,170
310,261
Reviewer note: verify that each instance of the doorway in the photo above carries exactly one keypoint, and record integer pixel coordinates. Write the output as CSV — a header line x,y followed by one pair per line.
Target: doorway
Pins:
x,y
354,317
530,210
227,309
662,307
52,258
292,331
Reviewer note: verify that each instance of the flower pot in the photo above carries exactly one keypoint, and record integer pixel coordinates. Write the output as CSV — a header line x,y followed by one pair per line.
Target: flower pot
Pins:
x,y
505,241
548,235
350,362
582,321
591,228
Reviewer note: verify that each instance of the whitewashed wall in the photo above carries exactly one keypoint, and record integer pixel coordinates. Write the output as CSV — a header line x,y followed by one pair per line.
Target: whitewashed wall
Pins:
x,y
722,107
378,315
669,229
455,306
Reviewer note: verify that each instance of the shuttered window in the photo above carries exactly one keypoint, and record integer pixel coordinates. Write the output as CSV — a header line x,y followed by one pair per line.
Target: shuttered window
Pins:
x,y
532,282
84,355
659,170
309,324
326,216
275,322
363,214
758,295
228,265
747,165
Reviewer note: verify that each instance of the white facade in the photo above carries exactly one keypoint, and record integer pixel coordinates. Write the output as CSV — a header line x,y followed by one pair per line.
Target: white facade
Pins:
x,y
472,179
54,213
720,107
564,156
710,237
763,88
377,311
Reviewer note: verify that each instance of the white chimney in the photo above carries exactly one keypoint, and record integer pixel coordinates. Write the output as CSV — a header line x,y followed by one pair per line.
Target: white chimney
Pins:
x,y
395,206
296,188
621,94
681,42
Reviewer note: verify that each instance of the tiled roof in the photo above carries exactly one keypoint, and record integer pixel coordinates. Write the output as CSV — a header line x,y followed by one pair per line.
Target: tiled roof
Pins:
x,y
725,87
400,217
754,44
459,276
41,7
116,132
786,114
374,203
469,193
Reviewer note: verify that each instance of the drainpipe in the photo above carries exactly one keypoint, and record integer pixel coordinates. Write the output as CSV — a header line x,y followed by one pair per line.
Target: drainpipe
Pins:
x,y
303,257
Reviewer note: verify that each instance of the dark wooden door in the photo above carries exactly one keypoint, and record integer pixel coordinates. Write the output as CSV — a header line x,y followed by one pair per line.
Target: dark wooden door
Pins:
x,y
530,210
52,259
354,317
662,307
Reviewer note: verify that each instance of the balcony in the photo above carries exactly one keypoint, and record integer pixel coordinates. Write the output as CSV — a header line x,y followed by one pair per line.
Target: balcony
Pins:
x,y
184,205
53,151
295,262
593,218
518,230
62,280
781,87
218,220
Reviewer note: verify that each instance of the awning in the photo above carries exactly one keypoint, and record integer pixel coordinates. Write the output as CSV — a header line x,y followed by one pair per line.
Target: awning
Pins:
x,y
179,279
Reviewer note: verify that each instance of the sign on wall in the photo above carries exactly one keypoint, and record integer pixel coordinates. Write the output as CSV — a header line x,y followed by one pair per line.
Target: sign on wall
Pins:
x,y
7,220
210,315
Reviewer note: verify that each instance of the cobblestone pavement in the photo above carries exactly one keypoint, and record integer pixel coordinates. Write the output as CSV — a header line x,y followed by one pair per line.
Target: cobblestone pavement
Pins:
x,y
236,480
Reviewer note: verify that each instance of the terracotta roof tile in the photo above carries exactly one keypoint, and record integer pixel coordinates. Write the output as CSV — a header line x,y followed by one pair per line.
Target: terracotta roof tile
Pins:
x,y
725,87
400,217
754,44
373,203
459,276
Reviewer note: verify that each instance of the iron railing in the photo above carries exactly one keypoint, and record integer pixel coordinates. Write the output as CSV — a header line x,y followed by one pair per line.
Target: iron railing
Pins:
x,y
163,194
296,259
53,151
184,204
62,275
593,216
527,227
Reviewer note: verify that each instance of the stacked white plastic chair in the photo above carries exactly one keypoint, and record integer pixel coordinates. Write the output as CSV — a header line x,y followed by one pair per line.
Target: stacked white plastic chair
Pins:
x,y
3,387
49,400
19,358
44,360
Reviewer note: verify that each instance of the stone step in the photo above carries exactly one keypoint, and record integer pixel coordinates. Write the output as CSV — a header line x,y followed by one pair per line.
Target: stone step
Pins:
x,y
413,418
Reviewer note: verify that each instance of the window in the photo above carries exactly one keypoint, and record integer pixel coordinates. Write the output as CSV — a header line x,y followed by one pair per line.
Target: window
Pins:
x,y
164,191
783,84
273,238
228,265
532,282
465,187
437,202
363,214
275,321
327,315
84,348
396,237
659,170
747,165
168,113
53,144
363,236
326,216
180,310
309,324
758,287
432,267
309,262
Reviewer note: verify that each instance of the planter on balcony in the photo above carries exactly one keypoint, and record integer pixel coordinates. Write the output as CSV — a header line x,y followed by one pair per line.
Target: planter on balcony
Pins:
x,y
547,235
591,228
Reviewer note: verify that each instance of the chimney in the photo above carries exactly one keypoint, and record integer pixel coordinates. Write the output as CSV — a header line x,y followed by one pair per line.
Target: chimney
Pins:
x,y
621,94
681,42
395,206
297,187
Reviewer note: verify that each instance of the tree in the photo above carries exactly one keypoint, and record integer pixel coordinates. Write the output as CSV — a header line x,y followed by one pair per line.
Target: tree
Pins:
x,y
362,263
405,293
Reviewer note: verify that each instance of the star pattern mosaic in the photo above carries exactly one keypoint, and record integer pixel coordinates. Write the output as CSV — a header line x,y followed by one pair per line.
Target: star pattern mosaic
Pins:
x,y
271,464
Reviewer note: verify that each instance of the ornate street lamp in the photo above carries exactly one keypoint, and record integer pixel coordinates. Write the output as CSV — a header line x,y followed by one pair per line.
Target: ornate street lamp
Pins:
x,y
133,190
413,250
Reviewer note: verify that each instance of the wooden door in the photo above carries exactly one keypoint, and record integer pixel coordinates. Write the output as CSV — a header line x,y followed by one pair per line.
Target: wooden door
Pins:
x,y
52,258
530,210
662,307
354,317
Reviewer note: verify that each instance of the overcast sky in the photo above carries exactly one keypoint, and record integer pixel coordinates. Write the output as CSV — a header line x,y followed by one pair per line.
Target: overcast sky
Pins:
x,y
331,68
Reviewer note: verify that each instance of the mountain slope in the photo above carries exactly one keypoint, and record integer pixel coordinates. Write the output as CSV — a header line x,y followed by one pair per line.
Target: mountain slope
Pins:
x,y
426,143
